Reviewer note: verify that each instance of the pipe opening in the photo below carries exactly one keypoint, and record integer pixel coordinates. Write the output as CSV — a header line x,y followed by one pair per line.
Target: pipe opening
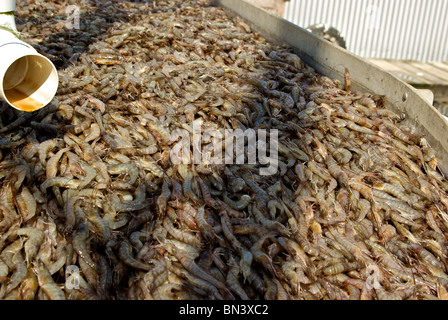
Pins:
x,y
30,82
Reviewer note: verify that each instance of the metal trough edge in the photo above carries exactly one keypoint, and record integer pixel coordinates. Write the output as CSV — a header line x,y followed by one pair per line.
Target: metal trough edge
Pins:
x,y
331,60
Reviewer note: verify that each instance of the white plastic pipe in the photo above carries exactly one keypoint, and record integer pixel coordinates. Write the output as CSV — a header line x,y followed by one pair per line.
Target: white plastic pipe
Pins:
x,y
28,80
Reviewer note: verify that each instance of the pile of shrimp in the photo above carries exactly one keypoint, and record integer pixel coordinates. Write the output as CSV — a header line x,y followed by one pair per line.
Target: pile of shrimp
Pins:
x,y
92,205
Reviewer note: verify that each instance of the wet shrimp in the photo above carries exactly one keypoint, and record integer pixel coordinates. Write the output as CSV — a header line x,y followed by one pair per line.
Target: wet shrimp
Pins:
x,y
47,284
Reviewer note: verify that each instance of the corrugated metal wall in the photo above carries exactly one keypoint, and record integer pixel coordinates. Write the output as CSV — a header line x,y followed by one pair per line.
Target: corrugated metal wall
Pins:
x,y
390,29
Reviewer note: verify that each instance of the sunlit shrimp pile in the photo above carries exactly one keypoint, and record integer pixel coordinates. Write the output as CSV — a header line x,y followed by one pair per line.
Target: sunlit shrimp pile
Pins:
x,y
93,207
